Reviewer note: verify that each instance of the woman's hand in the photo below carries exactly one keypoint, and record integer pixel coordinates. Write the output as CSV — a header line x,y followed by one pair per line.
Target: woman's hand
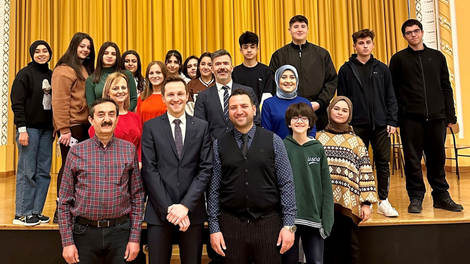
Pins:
x,y
365,212
23,139
64,139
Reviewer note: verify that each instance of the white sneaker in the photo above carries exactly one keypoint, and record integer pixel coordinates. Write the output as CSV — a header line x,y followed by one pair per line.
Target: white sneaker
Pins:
x,y
385,208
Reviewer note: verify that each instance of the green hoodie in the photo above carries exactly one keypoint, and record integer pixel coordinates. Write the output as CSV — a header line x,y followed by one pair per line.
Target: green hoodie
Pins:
x,y
313,190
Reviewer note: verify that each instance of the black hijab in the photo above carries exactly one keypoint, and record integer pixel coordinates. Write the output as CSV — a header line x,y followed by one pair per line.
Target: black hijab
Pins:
x,y
32,48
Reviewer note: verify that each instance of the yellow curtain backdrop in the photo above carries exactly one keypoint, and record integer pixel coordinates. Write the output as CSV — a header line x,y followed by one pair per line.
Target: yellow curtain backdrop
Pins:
x,y
152,27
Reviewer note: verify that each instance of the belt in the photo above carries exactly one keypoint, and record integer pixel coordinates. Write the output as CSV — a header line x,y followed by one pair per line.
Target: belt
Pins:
x,y
101,223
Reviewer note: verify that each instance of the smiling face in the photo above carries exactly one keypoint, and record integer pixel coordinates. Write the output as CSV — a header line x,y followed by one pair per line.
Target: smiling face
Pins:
x,y
241,112
222,69
104,119
205,67
175,98
288,82
173,65
130,63
41,54
299,124
192,68
109,57
299,32
155,75
84,49
118,91
340,112
364,46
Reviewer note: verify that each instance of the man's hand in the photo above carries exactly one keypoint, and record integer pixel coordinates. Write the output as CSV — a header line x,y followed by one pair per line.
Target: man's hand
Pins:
x,y
218,243
176,213
184,224
70,254
132,249
286,237
450,125
365,212
391,129
315,106
23,139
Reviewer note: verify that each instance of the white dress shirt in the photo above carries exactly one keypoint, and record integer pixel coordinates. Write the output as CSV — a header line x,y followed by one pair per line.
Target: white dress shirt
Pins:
x,y
182,125
222,91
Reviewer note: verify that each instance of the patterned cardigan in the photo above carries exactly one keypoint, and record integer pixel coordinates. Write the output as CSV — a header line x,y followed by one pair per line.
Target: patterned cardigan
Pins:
x,y
351,173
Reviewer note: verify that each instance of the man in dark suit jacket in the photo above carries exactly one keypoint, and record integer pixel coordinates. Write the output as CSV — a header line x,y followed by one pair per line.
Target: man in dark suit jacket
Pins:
x,y
210,103
176,169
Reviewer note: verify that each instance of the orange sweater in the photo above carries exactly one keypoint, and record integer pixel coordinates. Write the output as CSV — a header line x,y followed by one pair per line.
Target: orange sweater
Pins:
x,y
151,107
69,105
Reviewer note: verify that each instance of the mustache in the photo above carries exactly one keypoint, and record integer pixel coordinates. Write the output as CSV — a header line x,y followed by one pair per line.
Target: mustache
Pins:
x,y
106,124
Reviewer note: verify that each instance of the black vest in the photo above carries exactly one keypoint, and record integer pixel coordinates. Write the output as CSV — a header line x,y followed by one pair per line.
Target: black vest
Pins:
x,y
249,184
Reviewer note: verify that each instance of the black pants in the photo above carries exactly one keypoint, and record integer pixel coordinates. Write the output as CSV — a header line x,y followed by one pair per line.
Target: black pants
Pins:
x,y
313,245
380,142
428,136
251,240
79,132
160,244
342,246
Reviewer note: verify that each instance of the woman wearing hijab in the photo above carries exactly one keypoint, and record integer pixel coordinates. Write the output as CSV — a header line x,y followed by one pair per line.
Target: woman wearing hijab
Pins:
x,y
31,105
352,179
274,108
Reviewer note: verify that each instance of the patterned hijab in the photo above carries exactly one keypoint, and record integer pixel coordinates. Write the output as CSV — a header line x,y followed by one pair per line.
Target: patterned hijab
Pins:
x,y
337,128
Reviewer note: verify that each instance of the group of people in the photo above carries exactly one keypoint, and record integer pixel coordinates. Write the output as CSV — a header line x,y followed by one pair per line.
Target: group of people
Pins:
x,y
265,154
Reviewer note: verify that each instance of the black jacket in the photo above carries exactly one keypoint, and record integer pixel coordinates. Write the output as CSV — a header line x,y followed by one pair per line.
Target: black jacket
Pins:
x,y
422,86
378,105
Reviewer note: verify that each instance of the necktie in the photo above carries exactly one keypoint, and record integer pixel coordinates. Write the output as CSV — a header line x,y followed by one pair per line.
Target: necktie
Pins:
x,y
245,144
225,102
178,137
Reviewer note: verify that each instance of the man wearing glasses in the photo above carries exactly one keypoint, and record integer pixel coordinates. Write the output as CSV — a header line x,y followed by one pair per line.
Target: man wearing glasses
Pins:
x,y
425,108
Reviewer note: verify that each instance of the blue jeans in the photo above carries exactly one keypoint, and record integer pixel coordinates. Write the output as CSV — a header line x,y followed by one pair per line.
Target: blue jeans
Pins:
x,y
33,173
102,245
312,243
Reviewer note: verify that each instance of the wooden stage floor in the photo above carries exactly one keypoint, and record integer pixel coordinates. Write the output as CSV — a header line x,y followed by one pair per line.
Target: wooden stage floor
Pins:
x,y
459,190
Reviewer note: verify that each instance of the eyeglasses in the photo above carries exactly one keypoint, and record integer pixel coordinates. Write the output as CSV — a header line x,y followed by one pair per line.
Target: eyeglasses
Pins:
x,y
296,119
416,31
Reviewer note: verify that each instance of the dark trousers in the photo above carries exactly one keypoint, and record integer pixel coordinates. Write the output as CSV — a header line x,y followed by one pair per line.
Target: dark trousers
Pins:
x,y
312,243
79,132
102,245
342,246
251,240
322,120
380,142
428,136
160,238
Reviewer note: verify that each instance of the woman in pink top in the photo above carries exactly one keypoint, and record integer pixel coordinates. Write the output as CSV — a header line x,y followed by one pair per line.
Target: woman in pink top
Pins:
x,y
129,126
150,102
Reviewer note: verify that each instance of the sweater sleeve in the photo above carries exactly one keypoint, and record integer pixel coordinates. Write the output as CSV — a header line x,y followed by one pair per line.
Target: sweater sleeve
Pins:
x,y
90,90
63,79
329,83
390,99
132,90
448,93
327,195
19,91
266,116
367,182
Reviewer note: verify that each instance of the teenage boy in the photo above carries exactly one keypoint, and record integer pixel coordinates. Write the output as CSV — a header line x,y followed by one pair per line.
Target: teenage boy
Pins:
x,y
368,83
252,73
426,109
313,190
317,74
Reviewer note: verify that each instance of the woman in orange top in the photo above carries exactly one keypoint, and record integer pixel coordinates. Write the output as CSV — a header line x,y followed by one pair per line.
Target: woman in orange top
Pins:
x,y
150,102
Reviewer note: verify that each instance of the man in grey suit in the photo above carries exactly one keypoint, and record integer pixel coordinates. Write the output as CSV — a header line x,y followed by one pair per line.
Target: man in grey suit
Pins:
x,y
212,104
176,169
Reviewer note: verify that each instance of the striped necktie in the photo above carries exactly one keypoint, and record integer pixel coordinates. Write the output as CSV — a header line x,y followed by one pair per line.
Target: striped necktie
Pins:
x,y
226,96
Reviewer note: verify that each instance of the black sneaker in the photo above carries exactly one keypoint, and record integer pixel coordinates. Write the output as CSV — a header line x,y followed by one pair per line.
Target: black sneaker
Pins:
x,y
415,207
448,204
42,218
26,220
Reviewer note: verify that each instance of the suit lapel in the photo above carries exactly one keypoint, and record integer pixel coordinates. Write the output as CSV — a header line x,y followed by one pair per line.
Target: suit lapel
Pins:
x,y
189,133
216,98
165,123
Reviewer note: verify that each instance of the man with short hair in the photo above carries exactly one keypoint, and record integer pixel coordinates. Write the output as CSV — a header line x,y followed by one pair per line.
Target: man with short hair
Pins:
x,y
368,83
176,169
252,73
101,198
212,103
251,201
317,74
425,110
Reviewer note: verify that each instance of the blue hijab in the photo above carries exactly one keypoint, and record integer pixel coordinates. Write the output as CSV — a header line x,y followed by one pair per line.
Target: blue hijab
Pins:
x,y
279,92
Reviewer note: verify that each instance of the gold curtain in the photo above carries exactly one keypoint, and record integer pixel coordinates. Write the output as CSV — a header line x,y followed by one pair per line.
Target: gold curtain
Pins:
x,y
152,27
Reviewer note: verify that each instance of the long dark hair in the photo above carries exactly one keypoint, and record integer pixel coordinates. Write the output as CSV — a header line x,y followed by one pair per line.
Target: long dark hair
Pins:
x,y
70,57
138,71
185,65
178,57
205,54
99,63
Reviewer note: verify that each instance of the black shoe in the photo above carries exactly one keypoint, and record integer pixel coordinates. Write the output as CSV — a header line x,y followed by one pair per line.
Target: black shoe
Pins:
x,y
55,220
26,220
448,204
415,206
44,219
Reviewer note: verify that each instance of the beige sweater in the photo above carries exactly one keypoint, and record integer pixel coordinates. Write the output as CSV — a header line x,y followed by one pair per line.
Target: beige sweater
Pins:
x,y
69,104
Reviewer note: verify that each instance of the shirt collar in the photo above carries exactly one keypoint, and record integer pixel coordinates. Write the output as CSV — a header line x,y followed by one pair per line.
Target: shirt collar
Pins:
x,y
251,132
98,142
182,118
219,86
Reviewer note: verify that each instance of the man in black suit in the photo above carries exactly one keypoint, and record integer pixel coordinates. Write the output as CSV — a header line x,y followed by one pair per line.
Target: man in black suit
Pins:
x,y
176,169
212,104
